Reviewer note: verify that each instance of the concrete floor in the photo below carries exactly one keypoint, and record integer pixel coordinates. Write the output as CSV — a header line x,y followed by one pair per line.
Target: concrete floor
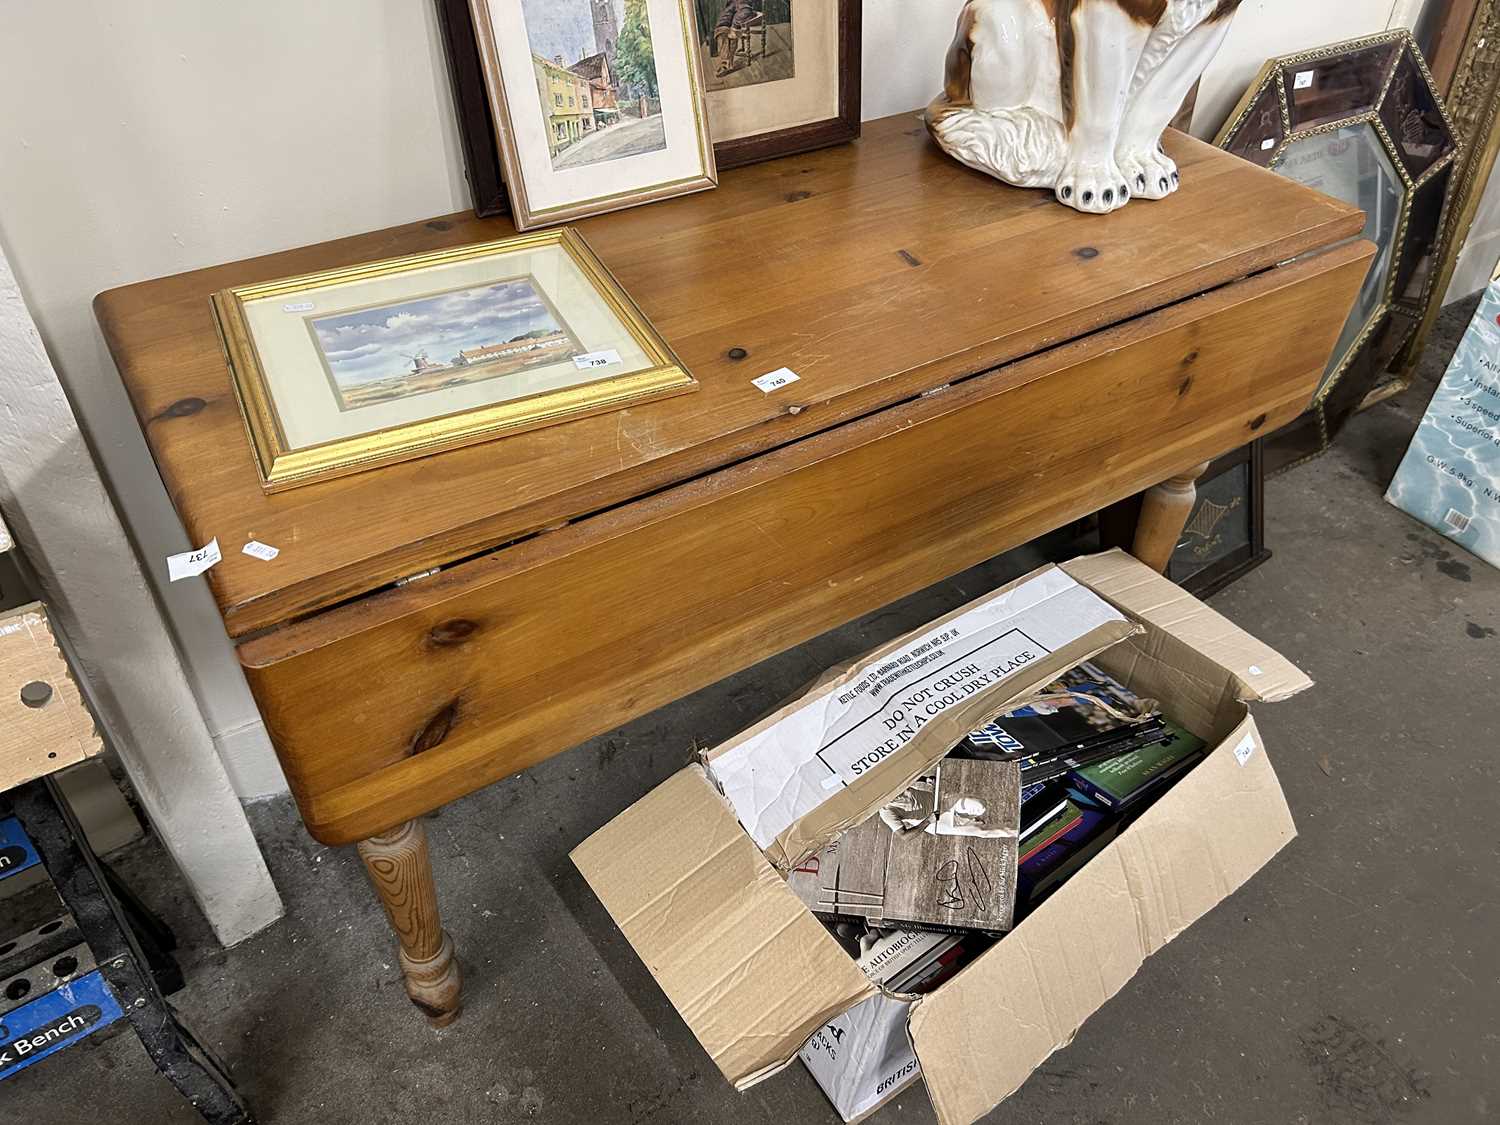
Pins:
x,y
1353,981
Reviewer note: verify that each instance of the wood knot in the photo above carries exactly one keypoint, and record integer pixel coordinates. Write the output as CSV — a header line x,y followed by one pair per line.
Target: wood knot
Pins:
x,y
454,632
1185,386
436,730
738,354
1258,422
182,408
909,258
798,196
1087,253
439,224
1190,359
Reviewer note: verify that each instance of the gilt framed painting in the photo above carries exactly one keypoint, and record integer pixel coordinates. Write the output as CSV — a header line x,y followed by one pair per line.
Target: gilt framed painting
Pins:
x,y
351,369
596,105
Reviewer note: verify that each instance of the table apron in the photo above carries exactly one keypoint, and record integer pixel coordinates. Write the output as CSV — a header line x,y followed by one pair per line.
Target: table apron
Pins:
x,y
389,707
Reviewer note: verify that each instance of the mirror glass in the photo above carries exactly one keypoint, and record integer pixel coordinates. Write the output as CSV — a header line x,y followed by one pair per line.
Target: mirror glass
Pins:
x,y
1351,164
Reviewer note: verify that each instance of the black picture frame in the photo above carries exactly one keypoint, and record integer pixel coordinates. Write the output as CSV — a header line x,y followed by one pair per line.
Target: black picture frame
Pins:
x,y
476,121
1225,537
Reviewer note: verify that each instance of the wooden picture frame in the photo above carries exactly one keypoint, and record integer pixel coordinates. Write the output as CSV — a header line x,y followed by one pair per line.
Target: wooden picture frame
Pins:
x,y
841,127
478,133
542,333
624,123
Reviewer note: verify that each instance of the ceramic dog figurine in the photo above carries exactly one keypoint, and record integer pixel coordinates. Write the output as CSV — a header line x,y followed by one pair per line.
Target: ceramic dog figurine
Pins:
x,y
1074,95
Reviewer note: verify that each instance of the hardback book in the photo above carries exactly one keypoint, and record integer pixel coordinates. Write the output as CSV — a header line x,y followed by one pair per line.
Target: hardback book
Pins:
x,y
1089,716
941,963
960,873
1059,824
1048,868
1130,778
806,879
1039,769
896,955
1041,803
851,873
957,873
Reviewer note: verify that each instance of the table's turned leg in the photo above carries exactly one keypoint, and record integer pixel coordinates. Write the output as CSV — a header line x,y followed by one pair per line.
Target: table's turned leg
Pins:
x,y
1164,513
401,870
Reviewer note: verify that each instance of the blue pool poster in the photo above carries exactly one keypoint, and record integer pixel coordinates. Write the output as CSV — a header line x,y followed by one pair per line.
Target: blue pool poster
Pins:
x,y
1450,478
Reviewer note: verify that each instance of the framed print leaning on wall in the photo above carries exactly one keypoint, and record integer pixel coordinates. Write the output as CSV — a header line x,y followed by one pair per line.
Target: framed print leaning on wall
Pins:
x,y
596,104
783,76
351,369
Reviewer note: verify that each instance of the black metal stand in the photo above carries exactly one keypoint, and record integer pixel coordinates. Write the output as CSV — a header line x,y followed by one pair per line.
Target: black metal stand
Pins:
x,y
90,892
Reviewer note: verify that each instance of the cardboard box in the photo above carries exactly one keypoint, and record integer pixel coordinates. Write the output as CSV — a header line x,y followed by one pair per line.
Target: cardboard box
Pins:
x,y
756,976
864,1058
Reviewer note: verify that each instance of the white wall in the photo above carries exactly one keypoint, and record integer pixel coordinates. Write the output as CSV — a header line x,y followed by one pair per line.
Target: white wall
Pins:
x,y
1476,264
58,508
1264,29
151,137
146,138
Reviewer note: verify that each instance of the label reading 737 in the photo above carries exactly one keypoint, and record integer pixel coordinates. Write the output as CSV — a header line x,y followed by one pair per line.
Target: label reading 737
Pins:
x,y
190,564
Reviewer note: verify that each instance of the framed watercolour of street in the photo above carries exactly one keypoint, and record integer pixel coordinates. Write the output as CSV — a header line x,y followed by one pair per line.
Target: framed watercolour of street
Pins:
x,y
596,105
791,85
783,76
350,369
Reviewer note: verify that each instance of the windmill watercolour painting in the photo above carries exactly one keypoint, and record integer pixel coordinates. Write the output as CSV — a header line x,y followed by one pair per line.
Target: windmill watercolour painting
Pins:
x,y
446,340
351,369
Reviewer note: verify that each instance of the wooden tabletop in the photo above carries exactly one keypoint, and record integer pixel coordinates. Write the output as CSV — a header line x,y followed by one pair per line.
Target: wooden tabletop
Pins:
x,y
876,271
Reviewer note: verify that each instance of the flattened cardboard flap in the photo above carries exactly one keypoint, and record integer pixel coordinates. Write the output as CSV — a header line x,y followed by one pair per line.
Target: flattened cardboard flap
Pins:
x,y
750,970
981,1036
1130,585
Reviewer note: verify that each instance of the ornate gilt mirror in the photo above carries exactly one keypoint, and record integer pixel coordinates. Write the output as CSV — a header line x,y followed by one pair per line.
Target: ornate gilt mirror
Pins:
x,y
1361,121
